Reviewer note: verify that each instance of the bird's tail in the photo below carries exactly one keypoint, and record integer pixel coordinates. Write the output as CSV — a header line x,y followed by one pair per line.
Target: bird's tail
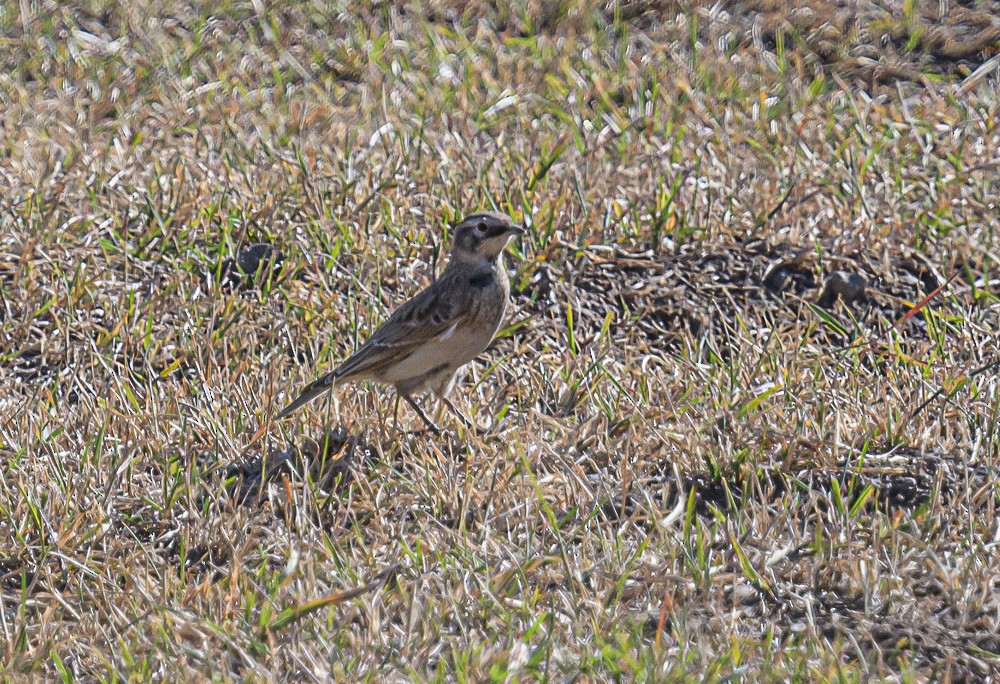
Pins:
x,y
311,391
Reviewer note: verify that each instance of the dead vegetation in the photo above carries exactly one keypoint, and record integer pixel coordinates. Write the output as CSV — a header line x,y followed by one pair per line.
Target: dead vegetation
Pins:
x,y
743,418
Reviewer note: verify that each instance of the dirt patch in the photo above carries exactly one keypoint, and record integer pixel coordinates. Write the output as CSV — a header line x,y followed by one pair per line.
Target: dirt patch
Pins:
x,y
703,291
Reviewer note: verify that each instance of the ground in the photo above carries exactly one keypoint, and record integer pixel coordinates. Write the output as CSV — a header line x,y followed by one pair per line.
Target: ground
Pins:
x,y
741,422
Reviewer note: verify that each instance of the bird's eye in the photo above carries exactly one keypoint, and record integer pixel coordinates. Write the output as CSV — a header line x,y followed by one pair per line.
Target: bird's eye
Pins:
x,y
481,227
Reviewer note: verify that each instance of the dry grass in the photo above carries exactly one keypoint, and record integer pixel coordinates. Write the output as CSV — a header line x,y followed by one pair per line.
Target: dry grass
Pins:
x,y
699,466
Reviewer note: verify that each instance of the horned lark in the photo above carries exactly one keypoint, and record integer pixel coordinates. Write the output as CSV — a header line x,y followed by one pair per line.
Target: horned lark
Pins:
x,y
429,338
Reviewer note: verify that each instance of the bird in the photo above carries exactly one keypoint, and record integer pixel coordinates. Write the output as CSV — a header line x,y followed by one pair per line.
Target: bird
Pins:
x,y
422,346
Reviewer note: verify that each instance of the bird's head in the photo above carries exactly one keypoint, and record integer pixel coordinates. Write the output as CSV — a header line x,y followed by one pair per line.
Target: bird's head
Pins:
x,y
483,235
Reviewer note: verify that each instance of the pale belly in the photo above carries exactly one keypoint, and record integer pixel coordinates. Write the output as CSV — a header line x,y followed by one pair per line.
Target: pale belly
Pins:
x,y
433,364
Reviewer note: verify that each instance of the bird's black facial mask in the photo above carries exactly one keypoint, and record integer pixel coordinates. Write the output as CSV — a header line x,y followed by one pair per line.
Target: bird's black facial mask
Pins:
x,y
493,230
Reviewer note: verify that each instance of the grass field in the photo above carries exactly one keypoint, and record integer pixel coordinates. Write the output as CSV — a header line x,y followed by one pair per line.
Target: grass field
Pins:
x,y
743,414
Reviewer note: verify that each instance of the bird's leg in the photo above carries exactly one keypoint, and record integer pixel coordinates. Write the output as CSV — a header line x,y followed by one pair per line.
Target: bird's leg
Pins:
x,y
395,414
461,416
420,412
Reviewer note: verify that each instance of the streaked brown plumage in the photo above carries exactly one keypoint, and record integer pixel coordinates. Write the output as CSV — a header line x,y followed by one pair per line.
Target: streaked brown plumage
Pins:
x,y
428,339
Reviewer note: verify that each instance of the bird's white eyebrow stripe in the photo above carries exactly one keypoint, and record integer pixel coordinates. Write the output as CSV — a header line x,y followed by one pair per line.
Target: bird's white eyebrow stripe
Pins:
x,y
449,332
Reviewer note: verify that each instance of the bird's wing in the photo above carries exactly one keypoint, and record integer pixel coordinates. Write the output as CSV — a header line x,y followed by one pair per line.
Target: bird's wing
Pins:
x,y
446,302
431,313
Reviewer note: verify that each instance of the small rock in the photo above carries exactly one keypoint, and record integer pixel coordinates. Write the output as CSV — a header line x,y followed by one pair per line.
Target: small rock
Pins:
x,y
850,287
777,278
252,265
791,271
251,258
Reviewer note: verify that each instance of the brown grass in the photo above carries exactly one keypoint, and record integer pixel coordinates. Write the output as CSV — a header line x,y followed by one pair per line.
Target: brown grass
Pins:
x,y
699,467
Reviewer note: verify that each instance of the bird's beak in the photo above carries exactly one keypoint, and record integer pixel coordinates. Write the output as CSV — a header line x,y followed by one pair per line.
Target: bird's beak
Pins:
x,y
517,230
